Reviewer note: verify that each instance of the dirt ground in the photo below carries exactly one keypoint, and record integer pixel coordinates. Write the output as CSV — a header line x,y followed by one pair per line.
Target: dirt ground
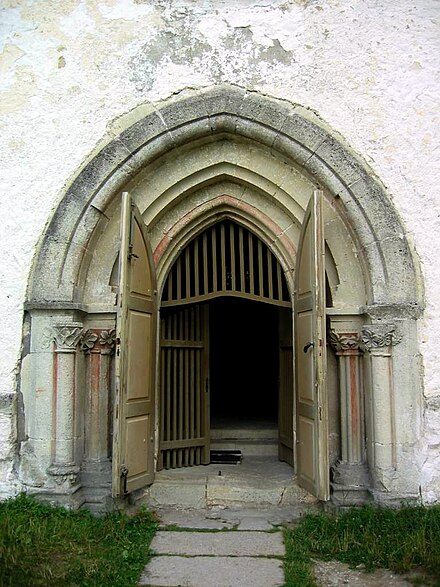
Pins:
x,y
334,574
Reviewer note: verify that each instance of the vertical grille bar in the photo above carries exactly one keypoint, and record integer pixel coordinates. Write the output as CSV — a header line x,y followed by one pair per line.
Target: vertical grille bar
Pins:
x,y
251,264
205,263
269,273
223,256
232,247
260,268
279,281
187,274
196,268
241,259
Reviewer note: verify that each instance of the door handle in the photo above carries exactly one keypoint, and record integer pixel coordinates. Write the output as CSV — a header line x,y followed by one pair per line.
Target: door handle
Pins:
x,y
307,346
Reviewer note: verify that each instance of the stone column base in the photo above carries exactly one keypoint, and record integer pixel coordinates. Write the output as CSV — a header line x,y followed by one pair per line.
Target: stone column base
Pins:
x,y
64,489
350,484
96,477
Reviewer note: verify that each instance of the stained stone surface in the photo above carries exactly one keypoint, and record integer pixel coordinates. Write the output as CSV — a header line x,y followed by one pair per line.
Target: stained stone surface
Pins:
x,y
221,518
213,571
218,543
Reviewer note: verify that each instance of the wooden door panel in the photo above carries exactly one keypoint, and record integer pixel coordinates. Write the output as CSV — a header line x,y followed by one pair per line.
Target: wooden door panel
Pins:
x,y
133,438
140,276
310,355
306,392
139,431
139,360
306,451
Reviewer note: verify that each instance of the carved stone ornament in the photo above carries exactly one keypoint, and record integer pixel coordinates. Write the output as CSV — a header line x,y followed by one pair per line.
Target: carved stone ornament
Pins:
x,y
47,337
88,340
67,336
377,336
66,475
345,341
107,339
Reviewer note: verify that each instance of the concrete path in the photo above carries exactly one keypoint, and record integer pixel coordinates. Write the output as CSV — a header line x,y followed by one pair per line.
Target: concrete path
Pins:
x,y
218,559
238,547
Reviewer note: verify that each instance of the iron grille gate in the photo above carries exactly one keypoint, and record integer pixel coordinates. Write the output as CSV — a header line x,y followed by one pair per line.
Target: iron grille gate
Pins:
x,y
184,426
226,259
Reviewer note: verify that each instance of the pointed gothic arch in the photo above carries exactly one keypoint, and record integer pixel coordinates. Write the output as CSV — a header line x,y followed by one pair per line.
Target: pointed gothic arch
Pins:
x,y
228,149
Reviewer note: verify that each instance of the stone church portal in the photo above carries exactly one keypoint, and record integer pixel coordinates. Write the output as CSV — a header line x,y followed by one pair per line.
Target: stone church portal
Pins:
x,y
285,216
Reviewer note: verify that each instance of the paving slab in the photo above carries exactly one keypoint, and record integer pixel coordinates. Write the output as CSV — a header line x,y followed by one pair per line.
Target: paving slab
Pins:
x,y
217,571
220,517
184,492
218,543
251,523
199,519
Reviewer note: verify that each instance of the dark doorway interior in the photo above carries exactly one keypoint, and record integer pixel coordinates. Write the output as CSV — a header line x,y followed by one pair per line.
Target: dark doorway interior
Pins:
x,y
243,361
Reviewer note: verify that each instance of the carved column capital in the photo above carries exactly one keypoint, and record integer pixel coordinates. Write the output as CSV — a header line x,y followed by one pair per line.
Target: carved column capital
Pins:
x,y
67,337
379,336
98,341
107,340
345,342
88,341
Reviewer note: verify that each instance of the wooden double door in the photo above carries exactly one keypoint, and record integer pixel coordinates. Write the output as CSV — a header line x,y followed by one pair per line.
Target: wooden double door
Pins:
x,y
184,378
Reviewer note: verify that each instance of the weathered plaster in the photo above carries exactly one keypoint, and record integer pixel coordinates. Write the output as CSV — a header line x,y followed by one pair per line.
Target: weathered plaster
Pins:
x,y
369,69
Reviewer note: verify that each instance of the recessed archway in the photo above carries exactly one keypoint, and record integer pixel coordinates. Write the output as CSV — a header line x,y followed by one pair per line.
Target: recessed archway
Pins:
x,y
232,152
221,308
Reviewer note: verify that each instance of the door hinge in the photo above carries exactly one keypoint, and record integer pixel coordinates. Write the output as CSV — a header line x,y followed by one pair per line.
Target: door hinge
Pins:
x,y
131,255
124,478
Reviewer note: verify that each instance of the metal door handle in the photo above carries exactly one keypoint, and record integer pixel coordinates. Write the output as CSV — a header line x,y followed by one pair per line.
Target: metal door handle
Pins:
x,y
307,346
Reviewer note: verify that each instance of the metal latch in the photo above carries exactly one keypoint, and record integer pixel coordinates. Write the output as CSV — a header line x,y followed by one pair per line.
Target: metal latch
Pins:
x,y
307,346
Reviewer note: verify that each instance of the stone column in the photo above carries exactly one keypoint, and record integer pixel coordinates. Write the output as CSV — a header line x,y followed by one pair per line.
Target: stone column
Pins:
x,y
99,347
350,475
63,468
378,339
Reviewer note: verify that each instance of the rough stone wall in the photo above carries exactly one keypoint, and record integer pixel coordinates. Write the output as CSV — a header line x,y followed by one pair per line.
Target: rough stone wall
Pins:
x,y
70,69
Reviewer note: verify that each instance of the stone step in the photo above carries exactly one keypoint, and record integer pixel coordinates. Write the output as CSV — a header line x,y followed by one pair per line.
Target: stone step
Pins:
x,y
244,432
248,446
255,482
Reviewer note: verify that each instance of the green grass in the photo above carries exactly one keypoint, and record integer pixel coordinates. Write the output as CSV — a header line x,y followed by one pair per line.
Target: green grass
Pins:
x,y
45,546
404,540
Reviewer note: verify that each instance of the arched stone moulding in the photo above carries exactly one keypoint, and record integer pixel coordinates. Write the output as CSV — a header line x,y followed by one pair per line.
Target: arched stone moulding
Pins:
x,y
228,152
195,222
286,130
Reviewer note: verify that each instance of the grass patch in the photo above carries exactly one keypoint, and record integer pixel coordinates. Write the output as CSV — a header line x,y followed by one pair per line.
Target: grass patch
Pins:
x,y
45,546
403,540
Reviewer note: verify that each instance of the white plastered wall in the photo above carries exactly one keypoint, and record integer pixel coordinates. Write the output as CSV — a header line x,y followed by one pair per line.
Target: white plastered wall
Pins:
x,y
71,69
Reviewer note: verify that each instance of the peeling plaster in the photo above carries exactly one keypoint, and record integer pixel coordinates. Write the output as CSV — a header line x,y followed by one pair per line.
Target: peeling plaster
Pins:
x,y
68,69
